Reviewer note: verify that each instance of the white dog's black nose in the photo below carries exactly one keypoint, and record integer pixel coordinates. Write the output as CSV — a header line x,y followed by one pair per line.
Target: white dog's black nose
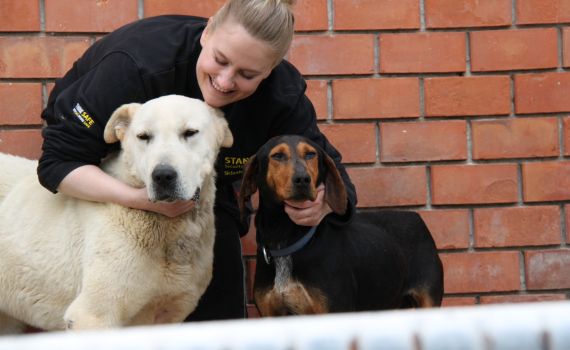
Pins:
x,y
165,183
164,176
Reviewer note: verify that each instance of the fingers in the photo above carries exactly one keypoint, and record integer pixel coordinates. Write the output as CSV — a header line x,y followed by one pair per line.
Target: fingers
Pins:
x,y
172,209
308,213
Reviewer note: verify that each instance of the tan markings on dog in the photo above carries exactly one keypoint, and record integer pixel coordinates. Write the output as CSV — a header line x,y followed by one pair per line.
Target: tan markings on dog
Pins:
x,y
280,171
311,163
422,297
294,299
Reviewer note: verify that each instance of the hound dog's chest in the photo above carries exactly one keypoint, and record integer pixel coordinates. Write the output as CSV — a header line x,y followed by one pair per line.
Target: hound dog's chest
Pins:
x,y
286,295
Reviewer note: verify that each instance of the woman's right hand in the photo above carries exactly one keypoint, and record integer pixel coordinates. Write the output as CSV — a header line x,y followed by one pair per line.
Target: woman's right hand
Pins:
x,y
170,209
90,183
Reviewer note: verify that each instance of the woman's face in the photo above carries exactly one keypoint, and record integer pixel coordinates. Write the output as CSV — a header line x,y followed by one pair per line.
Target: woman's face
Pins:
x,y
232,64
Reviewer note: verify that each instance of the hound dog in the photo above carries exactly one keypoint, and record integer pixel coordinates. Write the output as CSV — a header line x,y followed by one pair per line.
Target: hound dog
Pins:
x,y
70,263
376,261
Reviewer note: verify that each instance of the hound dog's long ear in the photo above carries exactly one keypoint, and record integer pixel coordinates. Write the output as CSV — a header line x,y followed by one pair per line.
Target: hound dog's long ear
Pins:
x,y
335,191
248,184
119,121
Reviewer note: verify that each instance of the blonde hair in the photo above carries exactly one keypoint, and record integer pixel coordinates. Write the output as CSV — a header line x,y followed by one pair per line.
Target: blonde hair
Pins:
x,y
268,20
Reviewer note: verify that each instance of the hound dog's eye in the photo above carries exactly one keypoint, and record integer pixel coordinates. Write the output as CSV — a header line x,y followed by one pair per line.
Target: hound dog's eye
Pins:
x,y
279,156
189,133
143,136
310,155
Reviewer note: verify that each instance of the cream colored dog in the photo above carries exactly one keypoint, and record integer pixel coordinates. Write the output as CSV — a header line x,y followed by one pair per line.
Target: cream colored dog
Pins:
x,y
68,263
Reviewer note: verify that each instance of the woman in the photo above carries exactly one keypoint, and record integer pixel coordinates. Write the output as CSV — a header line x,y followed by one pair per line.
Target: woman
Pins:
x,y
233,61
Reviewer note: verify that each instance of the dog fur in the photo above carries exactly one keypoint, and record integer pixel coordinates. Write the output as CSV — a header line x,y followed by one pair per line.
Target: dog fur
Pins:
x,y
376,261
69,263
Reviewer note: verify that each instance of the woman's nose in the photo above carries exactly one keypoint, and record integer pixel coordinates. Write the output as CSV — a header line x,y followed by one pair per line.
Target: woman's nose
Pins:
x,y
226,79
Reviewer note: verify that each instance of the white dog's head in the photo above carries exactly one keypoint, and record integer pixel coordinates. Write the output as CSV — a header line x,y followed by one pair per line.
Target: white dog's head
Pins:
x,y
169,144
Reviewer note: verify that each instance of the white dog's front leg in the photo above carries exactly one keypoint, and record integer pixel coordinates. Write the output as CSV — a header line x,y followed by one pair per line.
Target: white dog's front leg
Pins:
x,y
85,314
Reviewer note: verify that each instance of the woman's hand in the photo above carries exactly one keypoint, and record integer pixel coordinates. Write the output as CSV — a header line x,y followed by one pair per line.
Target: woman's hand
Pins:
x,y
90,183
170,209
308,213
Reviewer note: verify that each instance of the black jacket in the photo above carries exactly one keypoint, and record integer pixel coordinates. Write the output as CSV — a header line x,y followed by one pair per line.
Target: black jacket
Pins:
x,y
155,57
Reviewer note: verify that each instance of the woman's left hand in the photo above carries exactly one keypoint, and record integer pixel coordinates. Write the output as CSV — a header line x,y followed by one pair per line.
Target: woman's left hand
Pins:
x,y
308,213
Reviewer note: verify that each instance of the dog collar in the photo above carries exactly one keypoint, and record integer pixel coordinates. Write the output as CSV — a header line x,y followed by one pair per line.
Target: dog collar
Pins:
x,y
302,242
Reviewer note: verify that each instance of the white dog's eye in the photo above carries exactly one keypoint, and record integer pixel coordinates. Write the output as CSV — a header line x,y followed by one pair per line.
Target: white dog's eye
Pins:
x,y
189,133
143,136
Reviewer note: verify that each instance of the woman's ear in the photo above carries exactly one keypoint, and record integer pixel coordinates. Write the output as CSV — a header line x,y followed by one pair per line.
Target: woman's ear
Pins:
x,y
205,33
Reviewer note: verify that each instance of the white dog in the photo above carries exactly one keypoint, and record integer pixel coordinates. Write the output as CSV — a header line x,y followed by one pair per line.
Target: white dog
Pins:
x,y
68,263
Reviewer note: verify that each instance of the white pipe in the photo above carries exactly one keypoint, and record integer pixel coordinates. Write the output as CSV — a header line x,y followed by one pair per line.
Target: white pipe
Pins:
x,y
529,326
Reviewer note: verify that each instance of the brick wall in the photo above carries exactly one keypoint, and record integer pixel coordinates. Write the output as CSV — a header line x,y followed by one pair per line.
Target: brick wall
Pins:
x,y
459,109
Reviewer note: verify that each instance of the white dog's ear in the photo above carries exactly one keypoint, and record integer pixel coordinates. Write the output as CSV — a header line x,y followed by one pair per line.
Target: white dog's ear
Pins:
x,y
225,136
119,121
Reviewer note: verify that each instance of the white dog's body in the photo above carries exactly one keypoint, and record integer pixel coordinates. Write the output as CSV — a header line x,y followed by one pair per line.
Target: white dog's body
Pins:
x,y
70,263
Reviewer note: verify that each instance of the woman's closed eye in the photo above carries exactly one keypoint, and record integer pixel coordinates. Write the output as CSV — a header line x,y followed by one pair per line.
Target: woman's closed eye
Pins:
x,y
220,61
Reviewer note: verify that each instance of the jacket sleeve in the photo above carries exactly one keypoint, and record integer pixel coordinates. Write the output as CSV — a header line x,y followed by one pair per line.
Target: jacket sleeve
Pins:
x,y
78,111
303,121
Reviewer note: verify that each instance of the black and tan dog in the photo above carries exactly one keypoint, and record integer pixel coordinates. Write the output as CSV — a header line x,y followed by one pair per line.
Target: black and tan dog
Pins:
x,y
381,260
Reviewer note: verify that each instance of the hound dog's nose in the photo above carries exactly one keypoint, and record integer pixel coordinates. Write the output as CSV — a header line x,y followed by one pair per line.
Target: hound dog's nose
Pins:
x,y
302,179
164,176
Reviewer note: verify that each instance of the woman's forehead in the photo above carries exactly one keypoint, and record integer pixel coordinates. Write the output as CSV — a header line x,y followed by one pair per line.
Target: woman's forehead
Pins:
x,y
234,43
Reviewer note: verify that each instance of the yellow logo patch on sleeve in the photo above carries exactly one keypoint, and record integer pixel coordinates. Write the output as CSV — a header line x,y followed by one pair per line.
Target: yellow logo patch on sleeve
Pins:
x,y
83,116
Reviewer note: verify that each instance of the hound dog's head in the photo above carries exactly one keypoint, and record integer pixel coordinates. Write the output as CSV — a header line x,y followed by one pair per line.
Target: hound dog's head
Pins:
x,y
169,144
291,167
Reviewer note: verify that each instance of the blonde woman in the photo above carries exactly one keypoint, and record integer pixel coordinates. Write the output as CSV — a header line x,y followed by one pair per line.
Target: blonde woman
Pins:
x,y
233,61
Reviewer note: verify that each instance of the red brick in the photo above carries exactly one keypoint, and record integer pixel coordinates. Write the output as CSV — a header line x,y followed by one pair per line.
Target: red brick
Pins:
x,y
481,272
376,14
510,227
515,138
88,15
423,141
467,13
39,57
252,311
547,269
467,96
317,93
21,103
566,46
391,97
250,266
333,54
496,50
458,301
356,142
567,216
20,16
542,93
311,15
24,143
422,52
449,228
546,181
542,11
194,8
474,184
385,187
248,243
521,298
